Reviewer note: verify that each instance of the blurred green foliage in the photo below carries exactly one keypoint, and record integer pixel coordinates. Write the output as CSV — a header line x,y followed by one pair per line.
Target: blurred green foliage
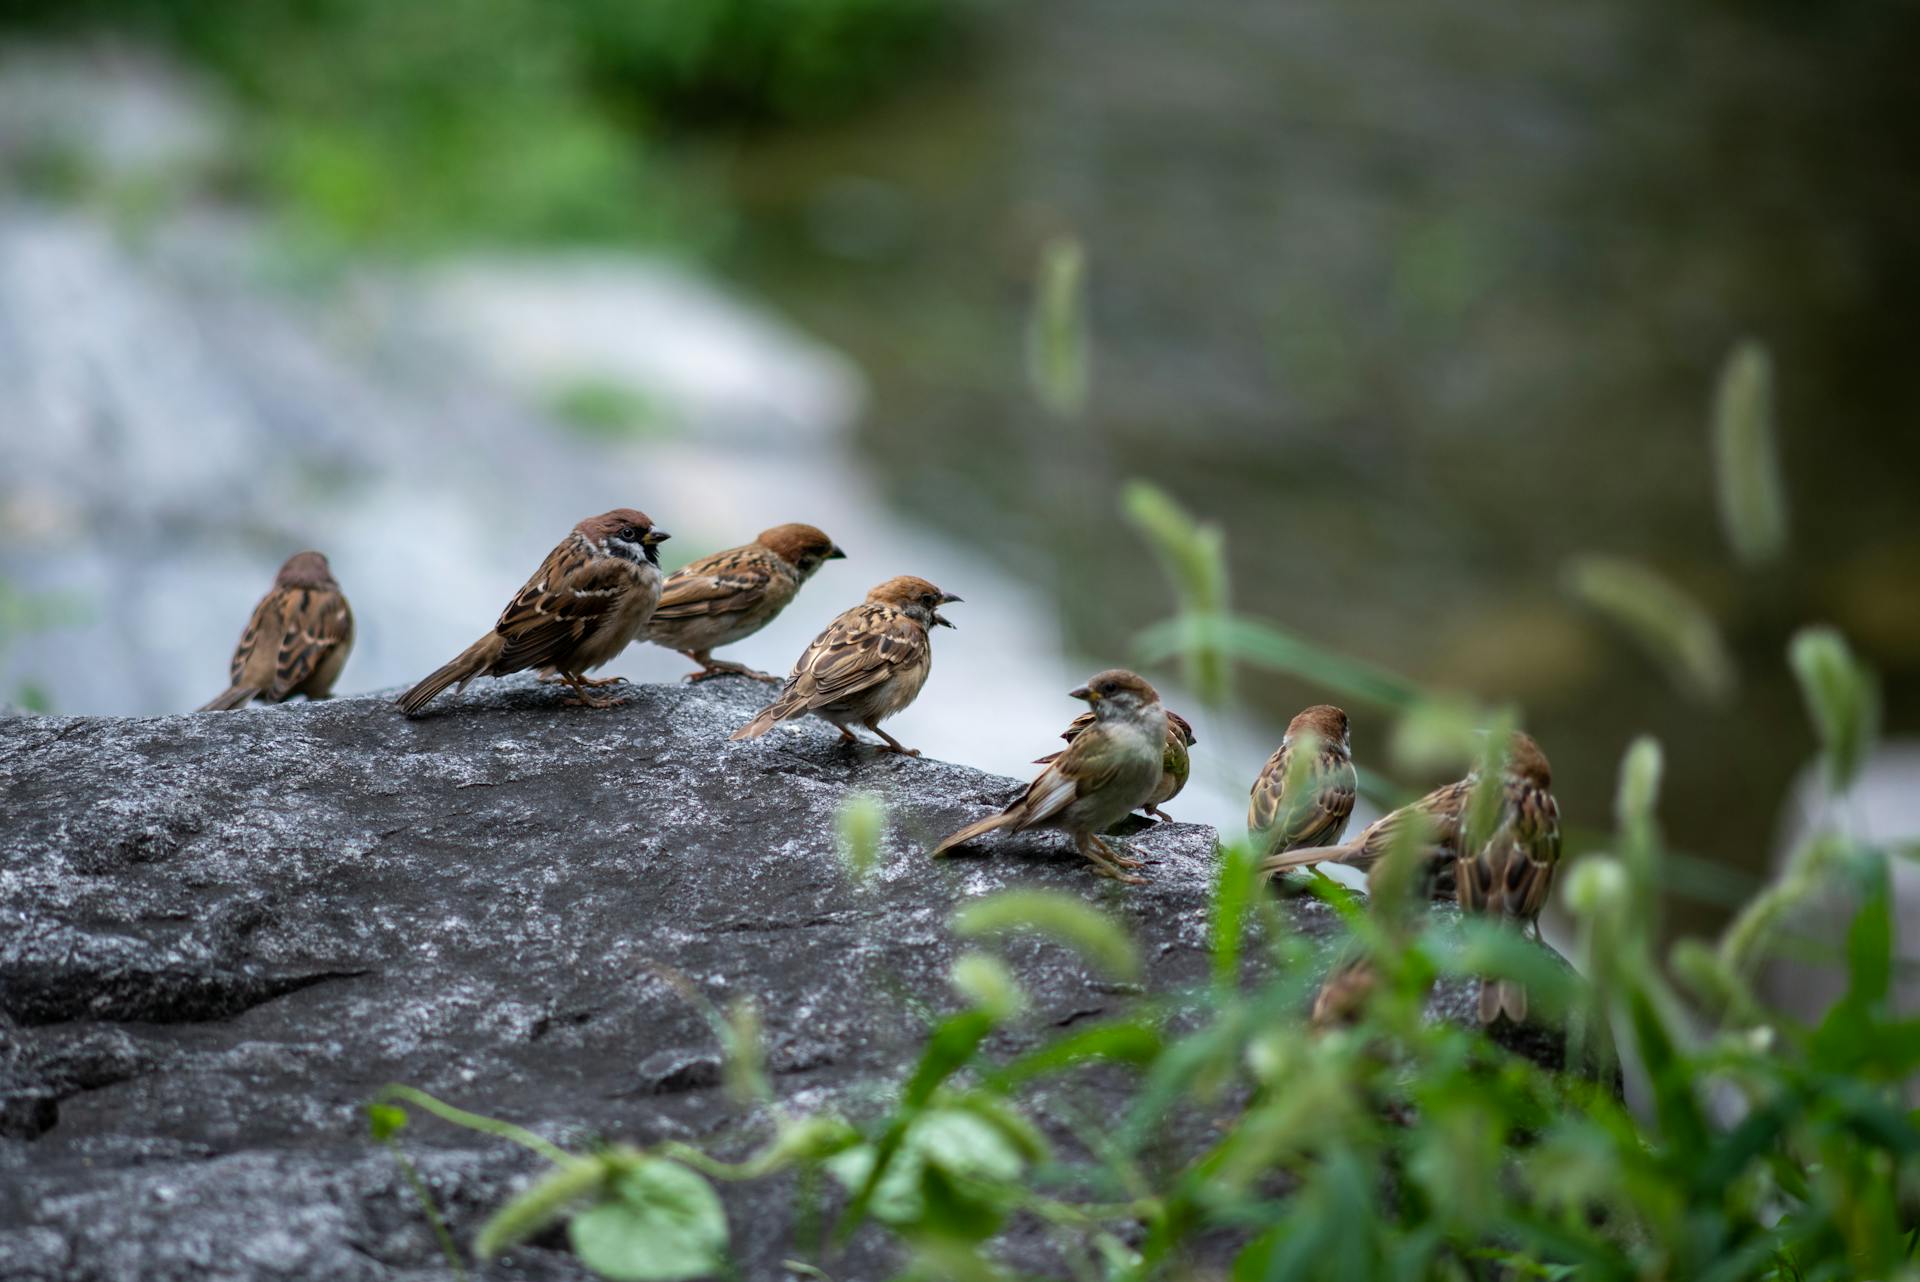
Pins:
x,y
510,120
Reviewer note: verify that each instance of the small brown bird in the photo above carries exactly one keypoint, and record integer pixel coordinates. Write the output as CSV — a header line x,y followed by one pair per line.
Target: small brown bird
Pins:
x,y
1511,873
1108,769
1176,766
297,640
1318,814
731,595
868,665
593,594
1343,997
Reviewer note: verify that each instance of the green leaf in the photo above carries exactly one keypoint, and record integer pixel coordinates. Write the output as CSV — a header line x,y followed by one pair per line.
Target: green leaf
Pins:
x,y
1753,505
659,1222
1233,892
541,1203
861,824
1125,1042
745,1066
1842,699
1193,556
1870,941
986,982
960,1142
809,1139
386,1120
1270,646
1062,917
1057,346
1667,624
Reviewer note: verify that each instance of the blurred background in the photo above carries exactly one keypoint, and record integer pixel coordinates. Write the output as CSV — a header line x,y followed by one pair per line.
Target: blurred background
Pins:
x,y
1420,301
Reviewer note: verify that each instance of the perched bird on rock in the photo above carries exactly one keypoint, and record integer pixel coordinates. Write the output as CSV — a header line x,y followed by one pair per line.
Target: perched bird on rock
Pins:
x,y
1317,813
1109,768
1509,876
731,595
593,594
297,640
868,665
1176,766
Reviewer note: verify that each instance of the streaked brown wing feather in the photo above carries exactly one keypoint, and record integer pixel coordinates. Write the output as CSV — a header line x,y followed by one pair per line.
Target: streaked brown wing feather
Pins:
x,y
725,583
1512,875
1315,822
1075,771
566,599
314,622
860,649
265,620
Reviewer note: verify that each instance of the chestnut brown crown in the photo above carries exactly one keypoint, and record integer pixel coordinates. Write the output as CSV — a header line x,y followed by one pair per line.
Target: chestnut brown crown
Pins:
x,y
1323,721
1526,761
802,546
305,570
1116,685
609,525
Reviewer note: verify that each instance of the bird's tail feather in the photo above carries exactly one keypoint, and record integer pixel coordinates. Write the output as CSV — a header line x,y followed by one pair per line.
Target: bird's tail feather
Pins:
x,y
1289,859
768,717
1502,997
234,697
972,830
472,662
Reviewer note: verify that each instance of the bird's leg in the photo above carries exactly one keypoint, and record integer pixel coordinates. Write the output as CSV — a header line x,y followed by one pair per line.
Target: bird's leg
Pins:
x,y
711,667
1124,861
580,685
1091,848
561,678
846,735
1156,813
893,744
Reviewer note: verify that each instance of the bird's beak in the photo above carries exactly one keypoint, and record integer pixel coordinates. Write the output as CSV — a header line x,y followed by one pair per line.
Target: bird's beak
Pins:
x,y
653,537
836,554
1082,693
942,621
948,599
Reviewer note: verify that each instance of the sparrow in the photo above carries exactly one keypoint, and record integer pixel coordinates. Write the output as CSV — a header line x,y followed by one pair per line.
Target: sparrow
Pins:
x,y
593,594
1176,765
1342,999
868,665
1318,814
1109,768
731,595
1509,875
297,640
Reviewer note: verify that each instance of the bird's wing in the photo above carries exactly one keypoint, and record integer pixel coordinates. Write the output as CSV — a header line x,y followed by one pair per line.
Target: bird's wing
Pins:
x,y
1086,765
314,622
1512,874
1437,816
1315,819
861,648
730,582
568,597
253,657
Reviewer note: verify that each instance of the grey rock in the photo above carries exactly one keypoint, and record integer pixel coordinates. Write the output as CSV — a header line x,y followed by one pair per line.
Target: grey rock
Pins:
x,y
221,934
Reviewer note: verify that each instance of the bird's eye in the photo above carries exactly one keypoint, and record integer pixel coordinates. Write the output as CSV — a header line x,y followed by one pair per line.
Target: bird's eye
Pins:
x,y
927,599
629,535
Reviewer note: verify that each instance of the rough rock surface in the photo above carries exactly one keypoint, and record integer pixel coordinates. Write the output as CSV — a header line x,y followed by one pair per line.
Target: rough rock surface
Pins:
x,y
219,935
